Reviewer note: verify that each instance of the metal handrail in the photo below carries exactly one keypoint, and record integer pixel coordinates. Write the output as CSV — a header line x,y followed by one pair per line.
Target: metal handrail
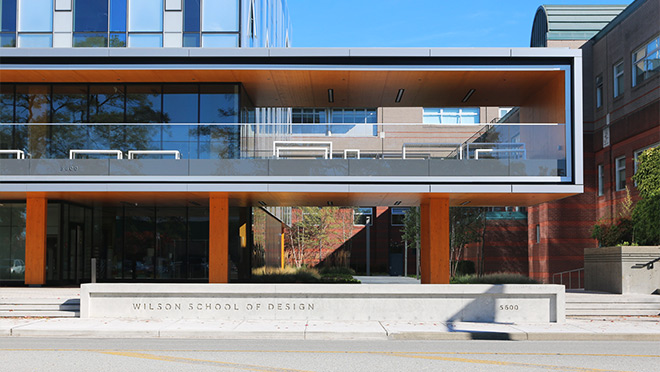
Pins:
x,y
132,153
648,265
117,153
20,154
569,272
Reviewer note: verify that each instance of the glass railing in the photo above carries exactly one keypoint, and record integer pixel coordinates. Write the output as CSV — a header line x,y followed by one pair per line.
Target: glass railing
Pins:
x,y
531,149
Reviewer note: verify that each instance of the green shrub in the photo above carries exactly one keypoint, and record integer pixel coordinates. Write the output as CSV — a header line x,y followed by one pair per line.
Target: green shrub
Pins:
x,y
496,278
297,275
646,215
336,270
610,235
465,267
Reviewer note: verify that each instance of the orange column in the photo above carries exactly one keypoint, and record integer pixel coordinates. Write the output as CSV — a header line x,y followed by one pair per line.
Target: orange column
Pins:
x,y
35,240
435,241
218,238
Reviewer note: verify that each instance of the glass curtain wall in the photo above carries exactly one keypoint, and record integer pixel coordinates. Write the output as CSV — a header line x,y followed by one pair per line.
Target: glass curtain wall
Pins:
x,y
35,23
7,23
12,242
180,107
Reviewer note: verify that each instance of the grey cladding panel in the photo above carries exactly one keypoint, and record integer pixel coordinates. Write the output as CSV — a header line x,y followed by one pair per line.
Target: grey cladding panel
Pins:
x,y
66,167
149,167
229,167
308,167
485,167
13,167
384,167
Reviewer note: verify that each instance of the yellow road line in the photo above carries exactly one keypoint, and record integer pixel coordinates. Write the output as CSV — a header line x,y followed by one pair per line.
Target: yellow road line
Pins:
x,y
508,364
247,367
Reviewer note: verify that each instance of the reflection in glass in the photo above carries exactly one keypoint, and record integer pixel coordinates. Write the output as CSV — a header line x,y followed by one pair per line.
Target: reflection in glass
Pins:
x,y
117,15
35,40
35,16
12,241
220,15
90,40
139,243
69,106
90,15
219,40
198,243
117,40
145,16
190,40
145,40
7,40
171,241
218,104
191,16
8,16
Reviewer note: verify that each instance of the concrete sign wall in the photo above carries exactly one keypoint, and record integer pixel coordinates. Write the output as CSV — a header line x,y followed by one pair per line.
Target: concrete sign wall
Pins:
x,y
343,302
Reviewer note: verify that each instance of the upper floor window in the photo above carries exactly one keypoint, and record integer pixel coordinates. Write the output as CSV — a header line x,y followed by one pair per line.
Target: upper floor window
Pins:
x,y
451,115
35,23
620,164
646,61
145,23
346,121
599,91
210,23
7,23
99,23
618,79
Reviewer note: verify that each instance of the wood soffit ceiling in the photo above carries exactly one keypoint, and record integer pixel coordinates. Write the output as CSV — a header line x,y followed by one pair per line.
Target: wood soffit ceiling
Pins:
x,y
309,88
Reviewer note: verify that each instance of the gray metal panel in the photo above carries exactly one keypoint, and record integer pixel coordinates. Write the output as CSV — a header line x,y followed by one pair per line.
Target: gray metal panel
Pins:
x,y
390,52
545,52
14,167
228,52
66,187
548,189
533,167
308,167
293,187
4,187
226,187
470,189
470,52
228,167
67,167
140,187
478,168
149,167
390,188
148,52
55,52
308,52
388,167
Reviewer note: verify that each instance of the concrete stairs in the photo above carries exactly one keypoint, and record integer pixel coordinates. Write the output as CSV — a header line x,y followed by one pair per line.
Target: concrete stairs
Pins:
x,y
39,307
581,304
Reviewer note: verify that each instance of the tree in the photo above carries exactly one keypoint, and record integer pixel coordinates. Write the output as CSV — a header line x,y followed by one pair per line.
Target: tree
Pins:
x,y
312,231
466,226
646,214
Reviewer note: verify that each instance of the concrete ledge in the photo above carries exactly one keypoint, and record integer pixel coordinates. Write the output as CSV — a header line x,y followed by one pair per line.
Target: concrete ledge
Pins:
x,y
326,302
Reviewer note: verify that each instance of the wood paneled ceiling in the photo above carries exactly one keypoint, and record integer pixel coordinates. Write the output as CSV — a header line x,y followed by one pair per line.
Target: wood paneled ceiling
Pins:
x,y
244,199
352,88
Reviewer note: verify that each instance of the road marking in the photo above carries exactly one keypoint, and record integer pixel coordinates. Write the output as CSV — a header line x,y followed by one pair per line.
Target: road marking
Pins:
x,y
508,364
164,358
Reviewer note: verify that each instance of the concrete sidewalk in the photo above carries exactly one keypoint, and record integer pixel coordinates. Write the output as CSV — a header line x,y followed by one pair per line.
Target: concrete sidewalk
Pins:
x,y
611,329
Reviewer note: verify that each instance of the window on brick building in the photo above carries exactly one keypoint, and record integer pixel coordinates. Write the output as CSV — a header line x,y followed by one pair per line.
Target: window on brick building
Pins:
x,y
363,216
618,79
620,164
601,180
398,214
538,233
646,61
599,91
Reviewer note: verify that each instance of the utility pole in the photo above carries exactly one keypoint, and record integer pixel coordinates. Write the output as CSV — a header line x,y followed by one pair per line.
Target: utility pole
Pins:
x,y
368,245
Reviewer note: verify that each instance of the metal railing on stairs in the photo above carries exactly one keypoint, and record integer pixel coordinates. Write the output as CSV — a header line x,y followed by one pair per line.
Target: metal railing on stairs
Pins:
x,y
569,274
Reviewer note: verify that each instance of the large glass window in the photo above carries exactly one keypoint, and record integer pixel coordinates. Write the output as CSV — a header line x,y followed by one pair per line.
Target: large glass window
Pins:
x,y
618,79
331,122
117,23
451,115
220,15
191,23
12,242
398,216
35,40
35,16
90,16
646,61
7,23
220,40
620,164
145,15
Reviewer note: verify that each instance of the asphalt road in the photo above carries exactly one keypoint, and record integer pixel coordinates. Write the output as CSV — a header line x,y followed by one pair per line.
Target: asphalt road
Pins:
x,y
37,354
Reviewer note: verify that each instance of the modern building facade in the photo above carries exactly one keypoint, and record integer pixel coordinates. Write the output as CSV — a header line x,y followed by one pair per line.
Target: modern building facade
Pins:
x,y
151,159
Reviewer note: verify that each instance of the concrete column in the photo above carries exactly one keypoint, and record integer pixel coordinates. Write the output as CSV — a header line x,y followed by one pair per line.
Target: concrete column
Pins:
x,y
218,238
434,215
35,239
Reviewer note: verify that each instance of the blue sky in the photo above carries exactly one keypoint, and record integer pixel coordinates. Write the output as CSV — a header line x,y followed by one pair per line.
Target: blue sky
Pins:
x,y
417,23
